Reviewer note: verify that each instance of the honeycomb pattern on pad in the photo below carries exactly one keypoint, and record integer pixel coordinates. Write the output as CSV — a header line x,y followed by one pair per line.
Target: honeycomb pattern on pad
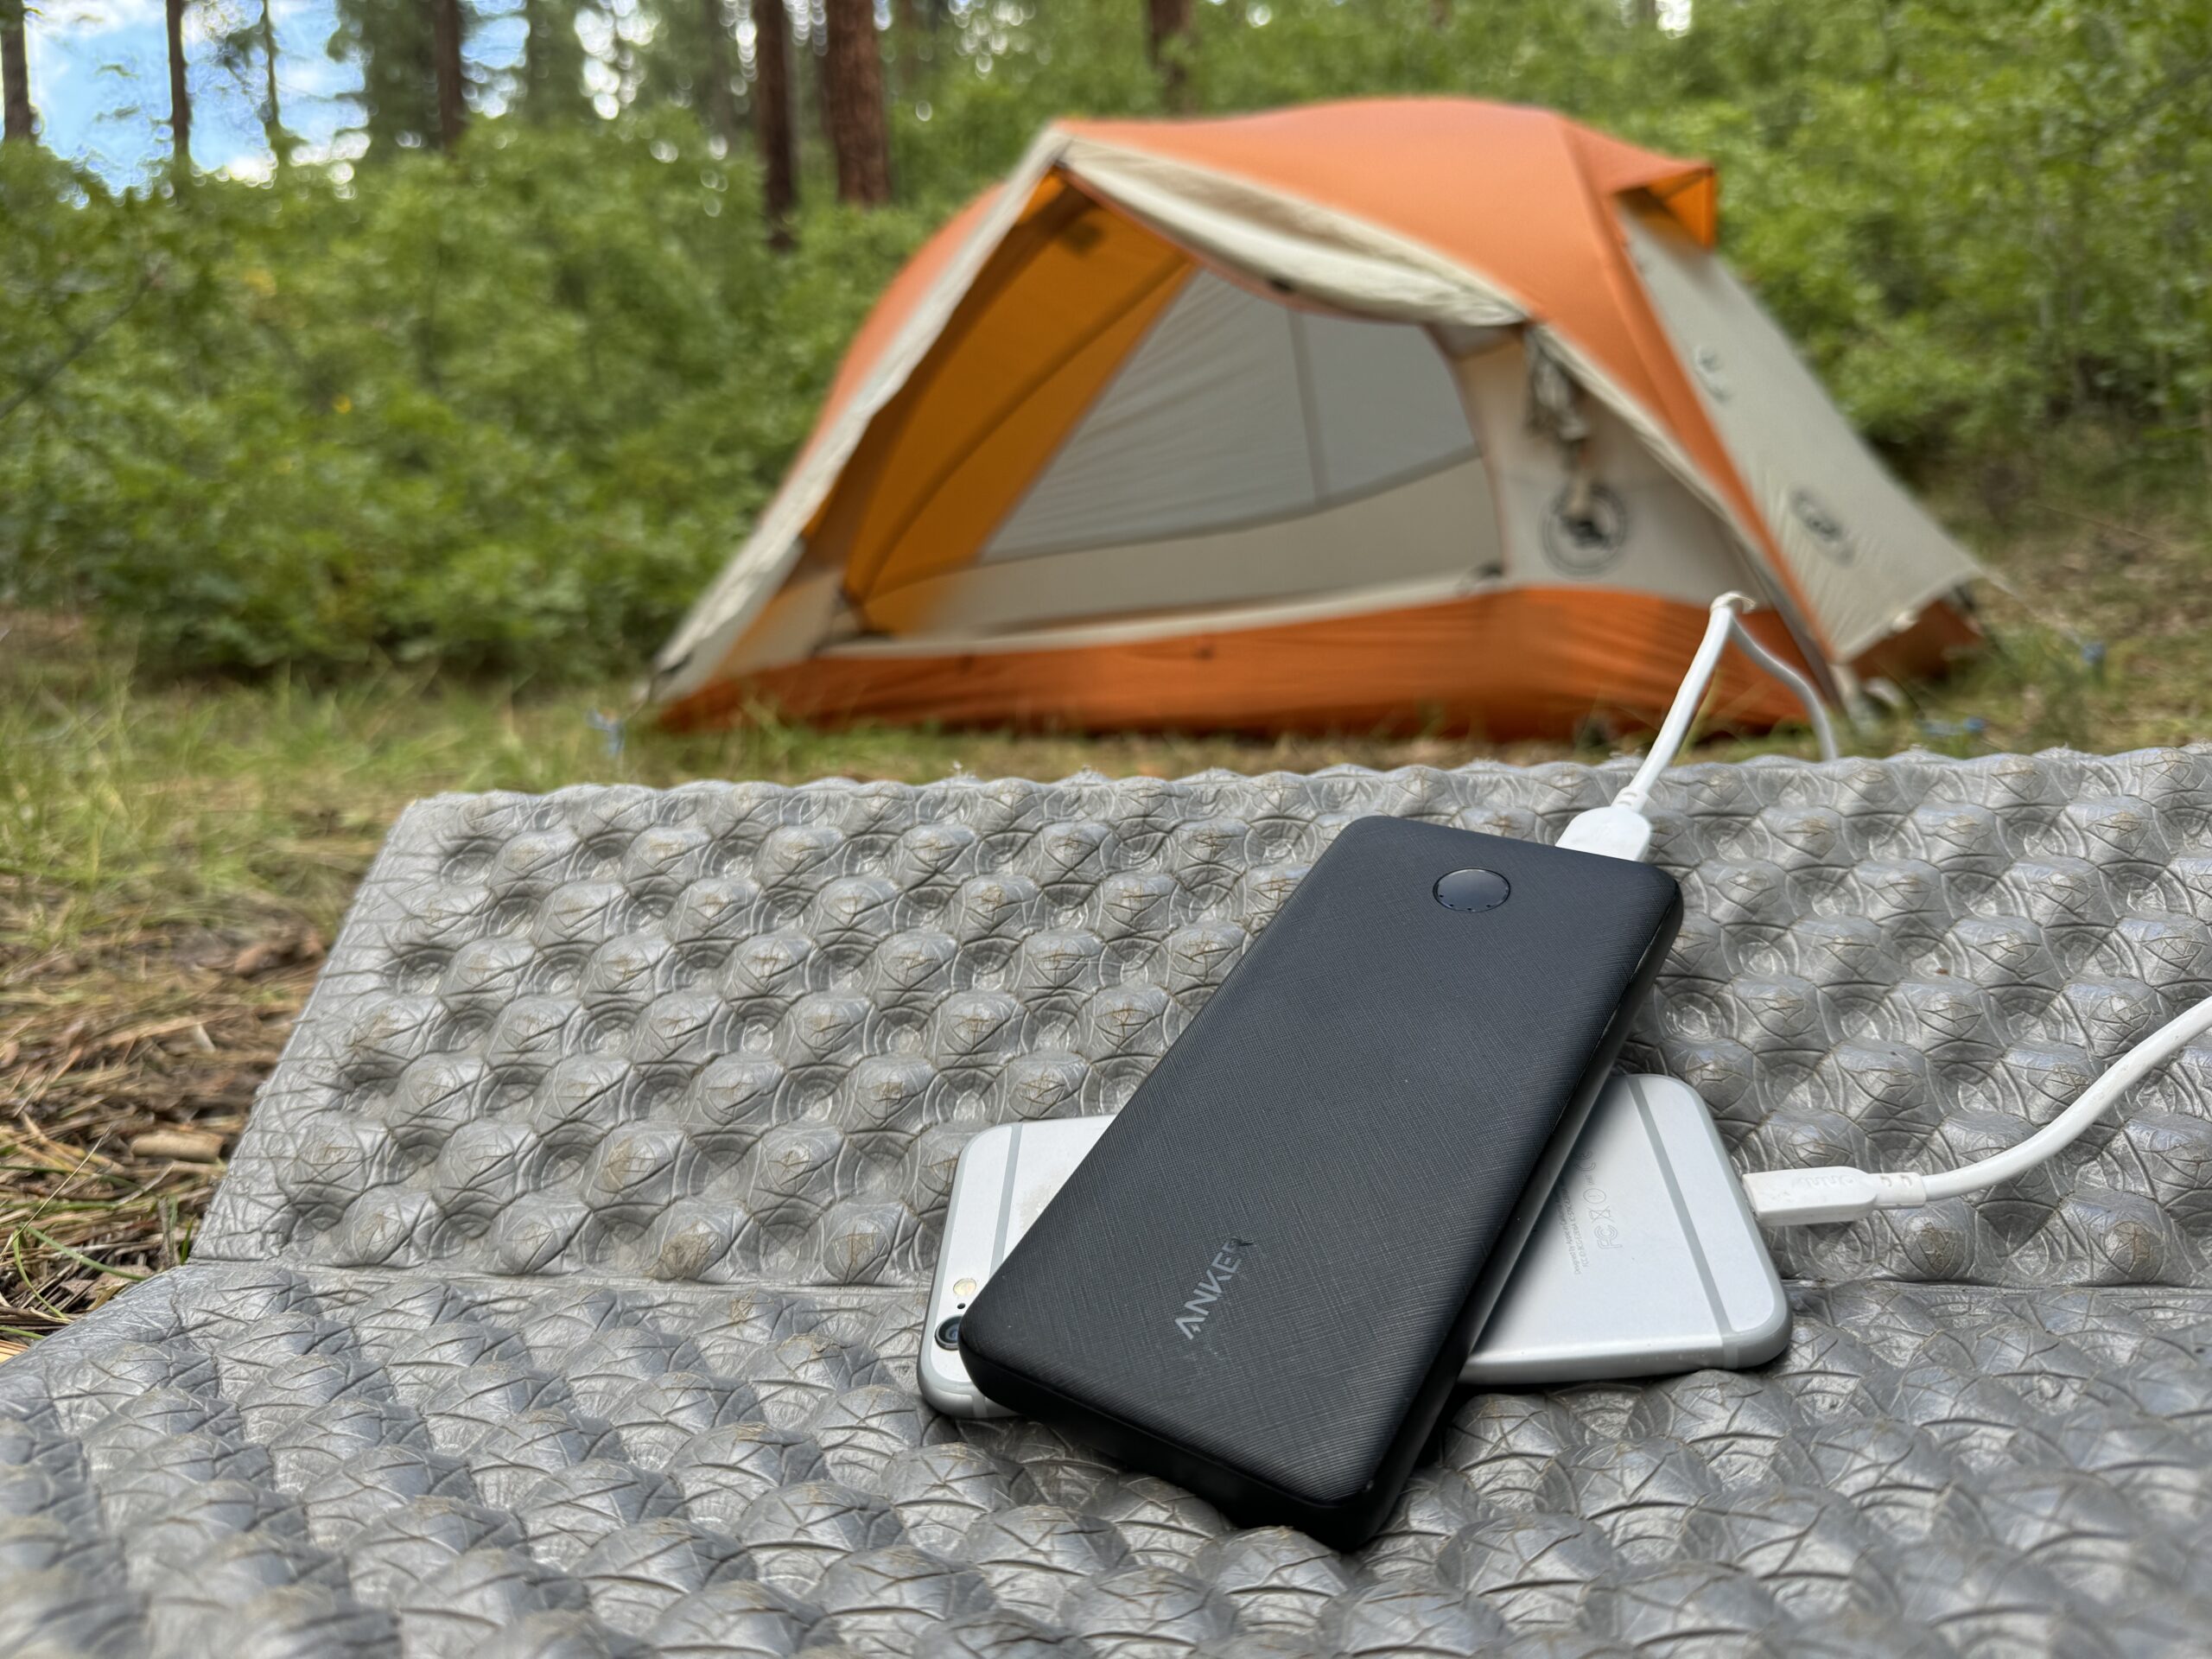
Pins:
x,y
275,1461
563,1296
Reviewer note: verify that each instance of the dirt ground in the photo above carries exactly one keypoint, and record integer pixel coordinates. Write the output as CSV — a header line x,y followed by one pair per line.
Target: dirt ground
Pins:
x,y
130,1062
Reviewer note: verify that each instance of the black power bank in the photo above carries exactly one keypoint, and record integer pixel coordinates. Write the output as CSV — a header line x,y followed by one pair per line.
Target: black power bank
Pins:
x,y
1262,1282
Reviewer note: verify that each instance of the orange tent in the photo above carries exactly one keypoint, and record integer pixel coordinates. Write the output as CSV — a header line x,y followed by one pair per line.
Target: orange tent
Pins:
x,y
1384,412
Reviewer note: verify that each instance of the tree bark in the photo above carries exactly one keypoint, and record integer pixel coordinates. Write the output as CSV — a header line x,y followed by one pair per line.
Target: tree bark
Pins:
x,y
719,106
179,94
552,88
537,60
1166,21
852,89
445,37
272,113
771,116
21,121
908,43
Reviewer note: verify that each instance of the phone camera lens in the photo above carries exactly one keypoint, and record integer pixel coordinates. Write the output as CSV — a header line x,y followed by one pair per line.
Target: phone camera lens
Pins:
x,y
948,1334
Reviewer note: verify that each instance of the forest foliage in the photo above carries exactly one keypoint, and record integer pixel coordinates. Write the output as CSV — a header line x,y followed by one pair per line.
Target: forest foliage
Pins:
x,y
511,404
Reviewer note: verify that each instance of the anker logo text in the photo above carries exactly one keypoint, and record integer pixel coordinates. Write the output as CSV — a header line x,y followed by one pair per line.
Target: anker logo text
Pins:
x,y
1222,1269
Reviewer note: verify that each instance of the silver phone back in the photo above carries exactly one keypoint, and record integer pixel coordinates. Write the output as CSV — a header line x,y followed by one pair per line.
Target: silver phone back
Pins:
x,y
1006,1177
1646,1259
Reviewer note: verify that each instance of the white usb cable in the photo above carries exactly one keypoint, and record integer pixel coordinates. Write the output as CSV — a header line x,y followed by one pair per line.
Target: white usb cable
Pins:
x,y
1786,1197
1789,1197
1621,831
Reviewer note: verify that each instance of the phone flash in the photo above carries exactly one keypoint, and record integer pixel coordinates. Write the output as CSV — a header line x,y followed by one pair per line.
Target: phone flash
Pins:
x,y
963,1289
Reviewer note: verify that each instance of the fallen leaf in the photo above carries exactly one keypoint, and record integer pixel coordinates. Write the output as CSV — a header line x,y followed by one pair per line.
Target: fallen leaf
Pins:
x,y
260,955
182,1146
301,943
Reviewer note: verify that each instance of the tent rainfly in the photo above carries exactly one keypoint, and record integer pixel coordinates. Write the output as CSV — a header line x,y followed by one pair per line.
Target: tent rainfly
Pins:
x,y
1359,414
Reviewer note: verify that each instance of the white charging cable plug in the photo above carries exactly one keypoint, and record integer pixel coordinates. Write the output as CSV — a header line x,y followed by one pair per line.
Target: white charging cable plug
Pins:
x,y
1621,830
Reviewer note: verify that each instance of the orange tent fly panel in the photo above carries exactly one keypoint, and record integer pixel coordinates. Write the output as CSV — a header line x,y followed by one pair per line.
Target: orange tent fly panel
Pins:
x,y
1376,414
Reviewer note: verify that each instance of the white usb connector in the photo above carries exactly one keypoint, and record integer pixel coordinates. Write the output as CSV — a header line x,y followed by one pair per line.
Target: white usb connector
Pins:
x,y
1610,832
1801,1198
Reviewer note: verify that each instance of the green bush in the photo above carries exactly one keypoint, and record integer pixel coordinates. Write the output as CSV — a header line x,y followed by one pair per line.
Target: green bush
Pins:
x,y
510,412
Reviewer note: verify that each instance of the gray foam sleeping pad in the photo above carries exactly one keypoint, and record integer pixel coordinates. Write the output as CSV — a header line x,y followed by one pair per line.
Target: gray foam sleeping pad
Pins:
x,y
562,1296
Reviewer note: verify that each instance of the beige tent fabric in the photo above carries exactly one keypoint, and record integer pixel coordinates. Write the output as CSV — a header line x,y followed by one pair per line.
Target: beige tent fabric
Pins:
x,y
1236,411
1331,257
1643,531
1440,526
1866,555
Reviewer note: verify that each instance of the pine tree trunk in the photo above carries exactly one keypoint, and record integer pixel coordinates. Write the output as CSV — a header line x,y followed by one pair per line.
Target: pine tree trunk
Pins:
x,y
1166,21
536,59
272,113
552,91
908,42
179,94
453,107
852,90
771,116
21,121
719,106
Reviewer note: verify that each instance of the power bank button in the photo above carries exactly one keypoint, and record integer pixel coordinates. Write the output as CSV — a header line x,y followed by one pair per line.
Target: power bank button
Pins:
x,y
1472,890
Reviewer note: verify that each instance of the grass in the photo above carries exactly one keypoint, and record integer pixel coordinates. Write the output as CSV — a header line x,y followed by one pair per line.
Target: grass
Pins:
x,y
175,855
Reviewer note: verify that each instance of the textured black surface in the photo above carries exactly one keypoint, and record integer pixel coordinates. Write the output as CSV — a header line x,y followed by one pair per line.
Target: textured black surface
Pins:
x,y
1336,1145
563,1296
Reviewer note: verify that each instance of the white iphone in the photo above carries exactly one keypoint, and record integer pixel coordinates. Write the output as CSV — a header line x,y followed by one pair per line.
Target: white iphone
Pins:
x,y
1645,1262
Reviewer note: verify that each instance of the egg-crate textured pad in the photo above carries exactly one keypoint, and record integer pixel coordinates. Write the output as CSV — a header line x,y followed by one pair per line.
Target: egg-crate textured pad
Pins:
x,y
563,1296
